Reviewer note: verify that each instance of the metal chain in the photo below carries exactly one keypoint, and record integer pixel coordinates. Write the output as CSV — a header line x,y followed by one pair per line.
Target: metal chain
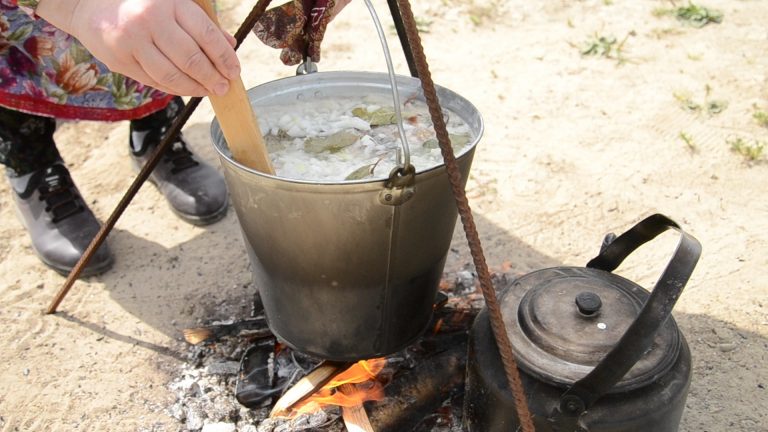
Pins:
x,y
454,175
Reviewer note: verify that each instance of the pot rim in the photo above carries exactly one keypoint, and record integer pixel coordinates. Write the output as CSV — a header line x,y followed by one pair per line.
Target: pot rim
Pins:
x,y
337,78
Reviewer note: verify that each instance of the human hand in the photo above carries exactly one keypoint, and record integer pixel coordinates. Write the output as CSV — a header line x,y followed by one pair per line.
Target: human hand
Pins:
x,y
171,45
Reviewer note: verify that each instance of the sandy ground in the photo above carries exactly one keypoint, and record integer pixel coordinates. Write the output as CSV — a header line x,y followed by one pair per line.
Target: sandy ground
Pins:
x,y
575,146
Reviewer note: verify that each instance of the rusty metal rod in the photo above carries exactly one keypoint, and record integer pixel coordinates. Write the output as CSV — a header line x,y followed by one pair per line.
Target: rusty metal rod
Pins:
x,y
146,170
397,19
475,247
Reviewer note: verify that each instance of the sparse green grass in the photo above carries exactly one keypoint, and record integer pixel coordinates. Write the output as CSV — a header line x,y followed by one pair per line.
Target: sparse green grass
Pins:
x,y
606,46
751,151
688,140
715,107
479,12
661,12
709,106
661,33
423,25
761,117
600,46
686,102
692,15
698,16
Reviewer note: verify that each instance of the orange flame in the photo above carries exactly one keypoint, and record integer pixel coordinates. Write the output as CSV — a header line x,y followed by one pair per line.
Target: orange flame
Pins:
x,y
359,386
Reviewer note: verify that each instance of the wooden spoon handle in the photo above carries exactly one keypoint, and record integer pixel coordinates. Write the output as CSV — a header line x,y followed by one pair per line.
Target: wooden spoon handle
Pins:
x,y
237,119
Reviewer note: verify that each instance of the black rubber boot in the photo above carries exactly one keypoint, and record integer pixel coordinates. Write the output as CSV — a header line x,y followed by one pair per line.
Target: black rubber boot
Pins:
x,y
195,190
59,223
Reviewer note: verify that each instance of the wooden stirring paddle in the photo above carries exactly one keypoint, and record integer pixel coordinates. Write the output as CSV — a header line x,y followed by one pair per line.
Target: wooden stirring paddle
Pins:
x,y
237,119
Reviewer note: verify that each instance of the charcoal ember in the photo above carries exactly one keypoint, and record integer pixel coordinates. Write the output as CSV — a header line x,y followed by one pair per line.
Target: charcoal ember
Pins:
x,y
307,421
320,420
447,418
268,425
238,352
187,386
222,408
451,320
223,368
230,349
251,416
247,416
465,281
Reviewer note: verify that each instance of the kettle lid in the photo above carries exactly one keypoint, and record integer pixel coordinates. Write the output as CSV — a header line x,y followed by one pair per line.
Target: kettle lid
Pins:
x,y
563,321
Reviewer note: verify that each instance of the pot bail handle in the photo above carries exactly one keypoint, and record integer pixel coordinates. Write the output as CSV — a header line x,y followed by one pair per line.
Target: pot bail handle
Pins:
x,y
640,334
404,158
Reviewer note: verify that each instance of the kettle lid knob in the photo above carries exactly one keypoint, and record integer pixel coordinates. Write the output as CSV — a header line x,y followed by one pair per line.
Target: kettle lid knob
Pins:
x,y
588,303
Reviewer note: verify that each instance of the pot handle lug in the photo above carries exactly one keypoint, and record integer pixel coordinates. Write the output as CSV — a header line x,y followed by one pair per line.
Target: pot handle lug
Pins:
x,y
399,187
639,336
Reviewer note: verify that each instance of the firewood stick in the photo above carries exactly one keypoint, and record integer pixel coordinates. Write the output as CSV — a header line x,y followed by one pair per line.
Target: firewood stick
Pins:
x,y
307,386
355,417
254,328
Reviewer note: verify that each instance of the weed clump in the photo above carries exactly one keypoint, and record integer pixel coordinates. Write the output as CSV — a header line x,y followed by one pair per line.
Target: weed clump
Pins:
x,y
693,15
750,151
606,46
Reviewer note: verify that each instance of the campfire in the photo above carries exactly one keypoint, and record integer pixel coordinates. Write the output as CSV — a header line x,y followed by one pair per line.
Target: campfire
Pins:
x,y
419,388
348,389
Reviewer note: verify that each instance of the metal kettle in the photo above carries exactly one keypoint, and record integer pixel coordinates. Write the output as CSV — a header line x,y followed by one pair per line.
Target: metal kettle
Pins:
x,y
596,352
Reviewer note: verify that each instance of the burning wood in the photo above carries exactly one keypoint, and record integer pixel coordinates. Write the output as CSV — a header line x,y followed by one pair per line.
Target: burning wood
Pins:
x,y
355,417
306,387
420,388
305,396
414,393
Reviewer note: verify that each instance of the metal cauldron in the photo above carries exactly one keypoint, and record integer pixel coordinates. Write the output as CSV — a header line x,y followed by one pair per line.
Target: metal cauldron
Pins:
x,y
596,351
344,274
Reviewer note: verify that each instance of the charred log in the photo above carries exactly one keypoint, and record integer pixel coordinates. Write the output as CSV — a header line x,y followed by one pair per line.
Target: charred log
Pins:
x,y
416,393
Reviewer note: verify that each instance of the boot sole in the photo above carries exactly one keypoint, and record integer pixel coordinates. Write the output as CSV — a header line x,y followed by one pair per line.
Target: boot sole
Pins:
x,y
88,271
202,220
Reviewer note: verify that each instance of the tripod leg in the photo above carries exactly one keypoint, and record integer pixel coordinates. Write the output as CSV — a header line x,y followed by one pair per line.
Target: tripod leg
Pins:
x,y
394,9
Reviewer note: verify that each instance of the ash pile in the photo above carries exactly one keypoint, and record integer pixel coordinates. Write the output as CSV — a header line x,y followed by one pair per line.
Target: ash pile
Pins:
x,y
239,378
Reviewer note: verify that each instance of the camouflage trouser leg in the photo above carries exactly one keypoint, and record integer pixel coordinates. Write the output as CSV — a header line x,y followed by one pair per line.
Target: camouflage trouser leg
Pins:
x,y
26,142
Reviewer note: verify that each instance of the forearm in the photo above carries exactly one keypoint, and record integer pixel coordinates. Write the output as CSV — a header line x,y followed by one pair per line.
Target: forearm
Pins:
x,y
57,12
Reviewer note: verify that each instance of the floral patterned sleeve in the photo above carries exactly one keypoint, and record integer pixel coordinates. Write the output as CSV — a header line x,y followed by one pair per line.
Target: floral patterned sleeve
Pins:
x,y
45,71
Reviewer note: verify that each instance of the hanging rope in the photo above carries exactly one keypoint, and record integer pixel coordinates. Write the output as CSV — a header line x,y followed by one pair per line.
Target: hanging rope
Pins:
x,y
454,175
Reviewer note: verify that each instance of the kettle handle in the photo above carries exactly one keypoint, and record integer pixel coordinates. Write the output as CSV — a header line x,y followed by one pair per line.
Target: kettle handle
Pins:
x,y
640,334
